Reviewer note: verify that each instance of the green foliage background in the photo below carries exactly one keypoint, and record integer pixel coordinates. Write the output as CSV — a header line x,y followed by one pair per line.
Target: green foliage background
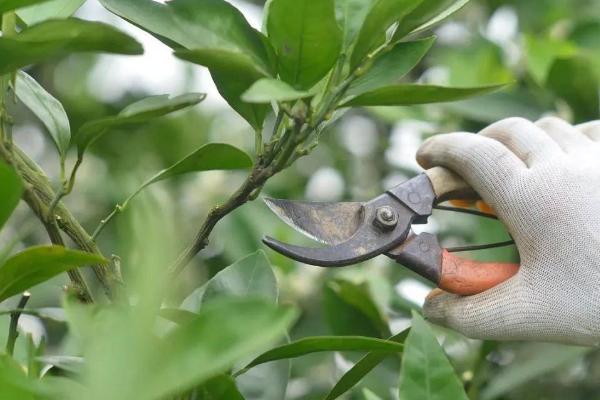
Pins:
x,y
554,59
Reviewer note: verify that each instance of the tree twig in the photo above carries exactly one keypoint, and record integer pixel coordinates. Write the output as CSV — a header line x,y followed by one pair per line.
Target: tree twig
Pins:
x,y
13,333
35,178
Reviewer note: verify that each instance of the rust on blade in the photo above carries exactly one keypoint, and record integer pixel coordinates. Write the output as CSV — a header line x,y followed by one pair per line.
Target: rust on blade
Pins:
x,y
329,223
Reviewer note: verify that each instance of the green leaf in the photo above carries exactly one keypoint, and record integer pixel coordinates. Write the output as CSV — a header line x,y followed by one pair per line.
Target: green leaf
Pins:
x,y
362,368
427,14
60,37
382,15
47,108
217,36
49,10
9,5
403,95
574,80
318,344
12,187
220,387
15,384
209,157
351,15
426,373
389,67
541,53
233,74
370,395
197,25
350,310
250,276
38,264
306,38
224,332
540,359
267,90
136,113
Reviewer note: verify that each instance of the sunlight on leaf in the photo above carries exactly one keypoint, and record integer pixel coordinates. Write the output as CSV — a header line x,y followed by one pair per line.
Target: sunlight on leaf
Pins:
x,y
267,90
49,10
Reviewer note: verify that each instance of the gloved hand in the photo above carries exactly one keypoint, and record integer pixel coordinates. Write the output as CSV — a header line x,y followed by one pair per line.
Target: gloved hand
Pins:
x,y
543,181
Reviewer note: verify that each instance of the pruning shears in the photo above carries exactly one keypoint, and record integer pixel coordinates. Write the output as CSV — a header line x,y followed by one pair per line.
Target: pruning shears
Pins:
x,y
358,231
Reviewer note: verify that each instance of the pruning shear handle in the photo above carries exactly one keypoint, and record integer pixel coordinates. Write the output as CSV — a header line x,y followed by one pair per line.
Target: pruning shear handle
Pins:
x,y
424,254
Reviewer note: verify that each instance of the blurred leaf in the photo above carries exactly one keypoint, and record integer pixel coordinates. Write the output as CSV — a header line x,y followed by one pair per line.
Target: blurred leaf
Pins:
x,y
574,80
544,358
38,264
250,276
317,344
11,191
370,395
233,74
60,37
486,64
408,94
211,156
350,310
9,5
198,25
497,106
224,332
136,113
267,90
49,10
177,315
585,34
49,110
351,15
15,384
426,372
382,15
306,38
389,67
362,368
541,53
427,14
34,366
221,387
71,364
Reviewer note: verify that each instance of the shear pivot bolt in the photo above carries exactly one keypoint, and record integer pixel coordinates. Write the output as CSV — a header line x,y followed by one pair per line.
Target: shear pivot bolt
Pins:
x,y
385,218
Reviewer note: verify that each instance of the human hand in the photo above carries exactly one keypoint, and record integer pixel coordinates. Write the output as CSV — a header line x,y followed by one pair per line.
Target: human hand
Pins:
x,y
543,181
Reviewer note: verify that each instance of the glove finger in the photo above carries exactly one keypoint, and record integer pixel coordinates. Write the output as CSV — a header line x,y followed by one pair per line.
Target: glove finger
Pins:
x,y
494,314
530,143
591,130
487,165
564,134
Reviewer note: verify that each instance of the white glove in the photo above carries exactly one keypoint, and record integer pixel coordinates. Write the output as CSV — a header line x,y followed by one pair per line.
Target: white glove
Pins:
x,y
543,181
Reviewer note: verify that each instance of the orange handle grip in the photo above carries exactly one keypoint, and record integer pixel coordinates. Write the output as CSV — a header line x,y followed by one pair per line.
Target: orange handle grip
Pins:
x,y
465,277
